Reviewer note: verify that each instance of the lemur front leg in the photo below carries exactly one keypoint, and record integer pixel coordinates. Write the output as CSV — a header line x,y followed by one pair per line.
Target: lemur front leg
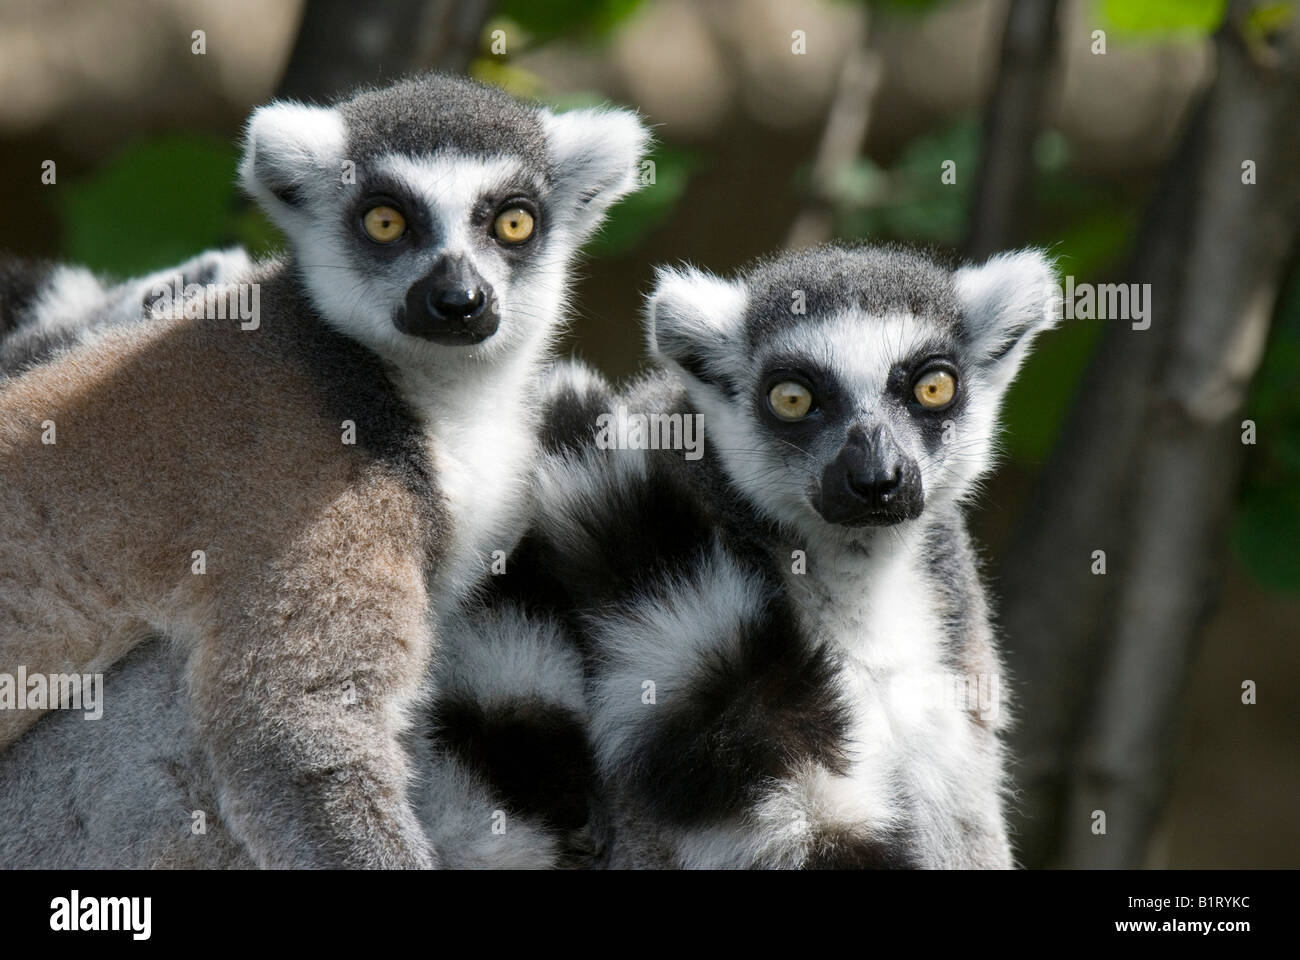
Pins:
x,y
302,691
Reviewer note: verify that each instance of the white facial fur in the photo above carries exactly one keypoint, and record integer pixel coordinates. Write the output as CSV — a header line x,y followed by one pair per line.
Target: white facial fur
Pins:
x,y
362,298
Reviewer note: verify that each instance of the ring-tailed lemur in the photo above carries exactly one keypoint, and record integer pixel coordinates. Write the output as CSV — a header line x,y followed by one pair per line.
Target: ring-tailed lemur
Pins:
x,y
788,652
297,501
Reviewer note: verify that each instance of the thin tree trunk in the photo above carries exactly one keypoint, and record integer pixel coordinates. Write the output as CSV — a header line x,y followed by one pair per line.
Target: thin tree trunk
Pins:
x,y
1012,120
341,43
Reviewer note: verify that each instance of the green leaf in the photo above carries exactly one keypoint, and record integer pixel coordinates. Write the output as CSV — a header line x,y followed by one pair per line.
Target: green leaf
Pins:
x,y
920,206
1266,533
1041,396
1153,18
157,203
256,233
513,80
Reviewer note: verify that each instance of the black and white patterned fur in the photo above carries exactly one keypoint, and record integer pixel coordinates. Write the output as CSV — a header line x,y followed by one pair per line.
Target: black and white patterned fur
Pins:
x,y
46,307
801,717
794,722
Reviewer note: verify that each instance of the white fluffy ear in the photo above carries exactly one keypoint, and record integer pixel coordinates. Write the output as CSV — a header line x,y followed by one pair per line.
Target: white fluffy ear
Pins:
x,y
288,146
694,322
1007,302
594,154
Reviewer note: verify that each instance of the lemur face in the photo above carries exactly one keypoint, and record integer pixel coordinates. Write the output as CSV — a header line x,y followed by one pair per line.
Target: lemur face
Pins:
x,y
850,388
436,219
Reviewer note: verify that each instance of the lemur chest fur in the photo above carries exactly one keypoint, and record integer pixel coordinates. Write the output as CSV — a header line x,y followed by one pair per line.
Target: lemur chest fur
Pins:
x,y
480,450
907,729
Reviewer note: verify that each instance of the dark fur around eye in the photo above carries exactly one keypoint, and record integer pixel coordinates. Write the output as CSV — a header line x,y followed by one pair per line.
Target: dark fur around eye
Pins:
x,y
416,217
827,396
919,370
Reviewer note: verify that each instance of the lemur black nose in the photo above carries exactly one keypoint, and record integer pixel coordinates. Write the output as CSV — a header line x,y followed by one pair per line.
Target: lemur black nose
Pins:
x,y
871,481
874,484
451,305
455,302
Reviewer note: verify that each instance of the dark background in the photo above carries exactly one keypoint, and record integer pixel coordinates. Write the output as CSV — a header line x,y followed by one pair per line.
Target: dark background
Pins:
x,y
1125,164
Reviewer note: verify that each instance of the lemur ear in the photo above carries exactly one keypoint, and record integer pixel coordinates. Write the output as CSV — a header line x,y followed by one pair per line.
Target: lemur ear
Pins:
x,y
694,322
594,154
287,146
1007,302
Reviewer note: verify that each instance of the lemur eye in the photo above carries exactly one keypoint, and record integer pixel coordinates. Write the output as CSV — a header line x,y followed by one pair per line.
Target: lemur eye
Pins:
x,y
384,224
934,390
790,400
513,225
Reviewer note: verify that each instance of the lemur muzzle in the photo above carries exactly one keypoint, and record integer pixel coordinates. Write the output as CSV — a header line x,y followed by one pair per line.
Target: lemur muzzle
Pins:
x,y
871,481
452,305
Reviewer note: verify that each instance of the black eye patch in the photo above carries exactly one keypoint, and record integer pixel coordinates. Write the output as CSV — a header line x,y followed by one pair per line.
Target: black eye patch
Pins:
x,y
829,397
390,193
489,204
903,373
901,386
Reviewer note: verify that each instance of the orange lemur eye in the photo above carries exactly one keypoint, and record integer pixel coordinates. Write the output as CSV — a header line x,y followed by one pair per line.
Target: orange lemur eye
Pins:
x,y
384,224
513,225
935,390
790,400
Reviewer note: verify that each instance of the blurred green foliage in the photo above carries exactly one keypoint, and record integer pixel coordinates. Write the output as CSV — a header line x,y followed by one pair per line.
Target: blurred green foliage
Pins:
x,y
156,203
571,19
637,214
909,201
1267,533
1160,19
